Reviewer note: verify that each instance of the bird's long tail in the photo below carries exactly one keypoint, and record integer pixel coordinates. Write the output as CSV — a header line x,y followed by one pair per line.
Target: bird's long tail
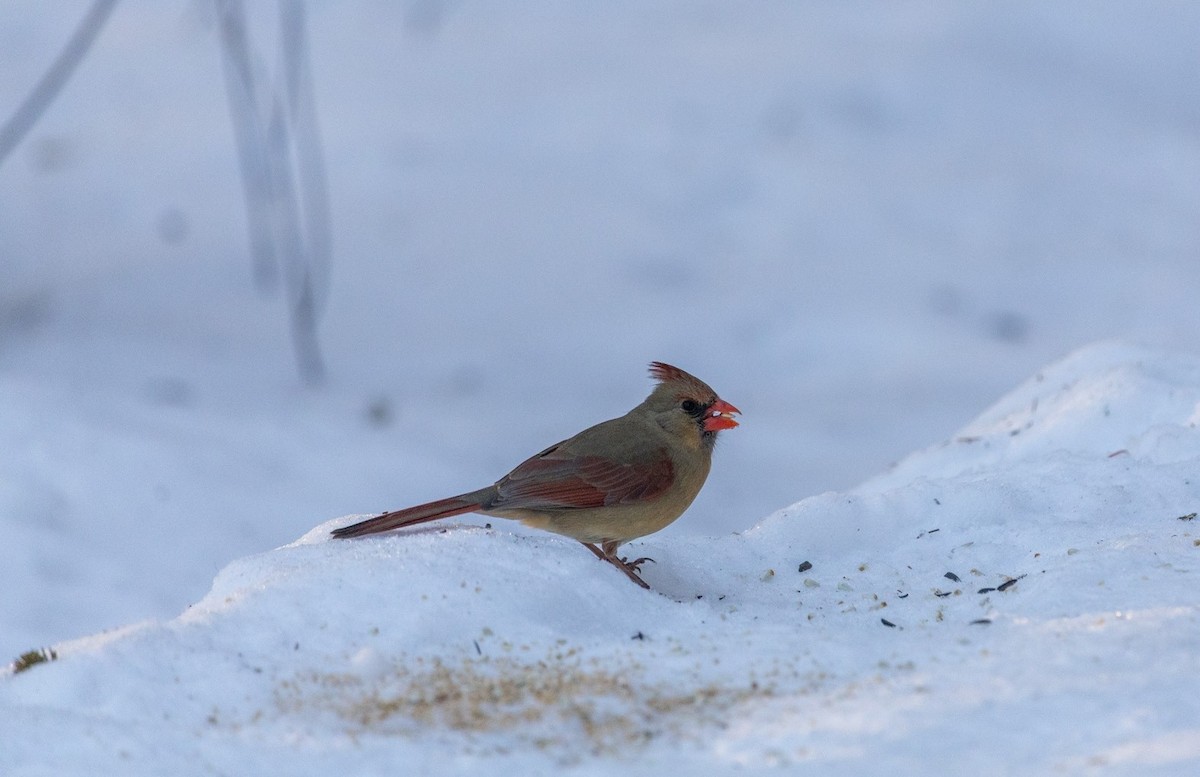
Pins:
x,y
431,511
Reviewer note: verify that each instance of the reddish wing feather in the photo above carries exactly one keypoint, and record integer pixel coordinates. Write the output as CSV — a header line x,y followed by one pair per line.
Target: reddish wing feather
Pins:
x,y
549,482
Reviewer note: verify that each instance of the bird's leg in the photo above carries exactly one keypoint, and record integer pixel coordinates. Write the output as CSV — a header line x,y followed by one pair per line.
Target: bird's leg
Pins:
x,y
609,554
629,571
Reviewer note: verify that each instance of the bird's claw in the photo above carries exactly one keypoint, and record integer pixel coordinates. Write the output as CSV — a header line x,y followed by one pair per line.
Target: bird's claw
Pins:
x,y
630,572
607,552
636,564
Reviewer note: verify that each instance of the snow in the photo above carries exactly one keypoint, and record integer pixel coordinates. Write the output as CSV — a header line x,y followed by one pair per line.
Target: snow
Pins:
x,y
1064,642
861,223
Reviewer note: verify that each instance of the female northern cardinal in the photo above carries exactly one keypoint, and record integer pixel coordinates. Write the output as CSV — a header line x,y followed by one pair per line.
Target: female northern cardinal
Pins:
x,y
609,484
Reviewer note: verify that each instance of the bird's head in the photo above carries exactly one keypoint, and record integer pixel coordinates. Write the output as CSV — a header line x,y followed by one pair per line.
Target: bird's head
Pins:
x,y
685,405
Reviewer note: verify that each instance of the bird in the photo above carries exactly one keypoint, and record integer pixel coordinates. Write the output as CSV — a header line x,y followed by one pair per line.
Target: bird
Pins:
x,y
612,483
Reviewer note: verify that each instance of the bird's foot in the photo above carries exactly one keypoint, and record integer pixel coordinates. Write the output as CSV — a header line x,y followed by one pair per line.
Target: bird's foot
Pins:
x,y
629,568
636,564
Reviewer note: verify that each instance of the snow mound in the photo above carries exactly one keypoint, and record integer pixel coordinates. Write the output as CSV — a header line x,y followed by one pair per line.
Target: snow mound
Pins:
x,y
1020,597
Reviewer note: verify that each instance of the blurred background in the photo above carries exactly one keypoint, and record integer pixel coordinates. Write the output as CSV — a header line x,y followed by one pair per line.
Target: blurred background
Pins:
x,y
860,222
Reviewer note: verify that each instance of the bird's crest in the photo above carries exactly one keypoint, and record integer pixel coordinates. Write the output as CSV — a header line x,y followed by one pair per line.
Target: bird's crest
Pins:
x,y
666,373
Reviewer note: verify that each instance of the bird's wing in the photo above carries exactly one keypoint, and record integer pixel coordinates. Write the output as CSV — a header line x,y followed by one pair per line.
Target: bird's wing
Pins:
x,y
558,480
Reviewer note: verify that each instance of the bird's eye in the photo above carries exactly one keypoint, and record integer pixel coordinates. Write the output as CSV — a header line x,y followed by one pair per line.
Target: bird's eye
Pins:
x,y
690,406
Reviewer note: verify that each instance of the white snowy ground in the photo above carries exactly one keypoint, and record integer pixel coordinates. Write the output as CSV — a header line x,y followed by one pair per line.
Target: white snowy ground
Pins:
x,y
1020,599
861,222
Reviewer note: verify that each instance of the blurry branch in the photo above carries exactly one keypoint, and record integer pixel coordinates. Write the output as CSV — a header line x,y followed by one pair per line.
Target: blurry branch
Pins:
x,y
283,173
17,127
242,82
279,151
310,159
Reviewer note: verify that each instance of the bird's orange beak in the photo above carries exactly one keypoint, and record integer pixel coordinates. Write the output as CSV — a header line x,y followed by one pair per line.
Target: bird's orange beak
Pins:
x,y
720,416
